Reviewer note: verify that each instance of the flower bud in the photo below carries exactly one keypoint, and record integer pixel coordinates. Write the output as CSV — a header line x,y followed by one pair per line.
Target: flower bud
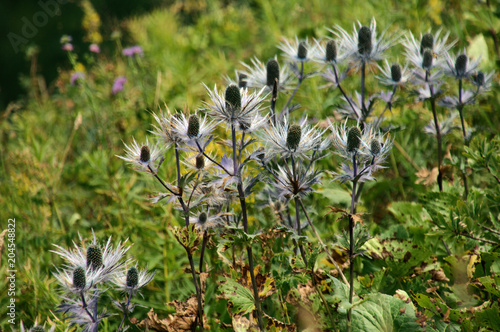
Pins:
x,y
233,97
427,59
396,72
193,126
273,72
461,64
79,280
132,277
365,40
200,161
374,147
202,218
426,42
353,139
94,255
293,136
331,51
145,154
302,50
479,79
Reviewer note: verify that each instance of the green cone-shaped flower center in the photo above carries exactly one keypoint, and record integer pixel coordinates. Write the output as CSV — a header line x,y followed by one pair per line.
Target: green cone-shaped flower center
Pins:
x,y
396,72
353,139
479,78
202,218
331,51
193,126
273,72
233,97
364,41
37,328
426,42
79,281
94,256
145,154
293,136
302,50
200,161
461,64
427,59
132,277
375,147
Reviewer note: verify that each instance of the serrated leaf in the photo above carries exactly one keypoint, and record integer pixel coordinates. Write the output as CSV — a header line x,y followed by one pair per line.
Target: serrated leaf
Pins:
x,y
240,296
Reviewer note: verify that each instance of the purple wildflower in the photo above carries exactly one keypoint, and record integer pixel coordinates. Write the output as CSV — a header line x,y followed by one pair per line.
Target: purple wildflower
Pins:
x,y
94,48
76,77
67,47
132,51
118,84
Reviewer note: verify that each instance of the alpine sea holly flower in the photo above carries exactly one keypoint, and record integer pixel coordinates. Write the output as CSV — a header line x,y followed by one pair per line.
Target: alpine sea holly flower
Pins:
x,y
198,162
290,184
130,280
263,76
325,52
236,107
204,220
143,157
82,257
297,51
363,46
394,74
436,45
192,127
118,84
295,140
36,328
483,80
460,66
468,97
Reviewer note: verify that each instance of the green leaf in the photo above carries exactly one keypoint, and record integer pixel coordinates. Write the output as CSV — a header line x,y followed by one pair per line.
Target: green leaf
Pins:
x,y
240,296
384,313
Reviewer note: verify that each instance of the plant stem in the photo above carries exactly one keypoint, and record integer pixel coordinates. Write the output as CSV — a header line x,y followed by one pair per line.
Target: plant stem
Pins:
x,y
300,78
460,110
208,157
126,311
351,241
84,304
322,243
388,106
203,245
342,90
438,131
241,194
363,107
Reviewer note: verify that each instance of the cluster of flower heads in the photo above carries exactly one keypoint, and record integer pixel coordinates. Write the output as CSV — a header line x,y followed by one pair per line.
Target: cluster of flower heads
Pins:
x,y
87,269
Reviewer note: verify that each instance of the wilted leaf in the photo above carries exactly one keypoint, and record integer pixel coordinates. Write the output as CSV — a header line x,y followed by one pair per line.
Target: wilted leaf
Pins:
x,y
427,177
240,296
188,237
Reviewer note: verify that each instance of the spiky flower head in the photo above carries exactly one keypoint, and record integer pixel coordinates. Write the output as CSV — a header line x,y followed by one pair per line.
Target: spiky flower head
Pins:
x,y
293,136
132,277
143,156
94,257
233,98
427,41
479,79
79,281
202,218
364,40
205,220
37,328
200,161
272,72
461,64
396,72
296,51
353,139
331,50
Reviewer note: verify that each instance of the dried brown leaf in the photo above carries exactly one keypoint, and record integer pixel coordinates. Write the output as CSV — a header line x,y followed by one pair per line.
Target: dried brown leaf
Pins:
x,y
427,177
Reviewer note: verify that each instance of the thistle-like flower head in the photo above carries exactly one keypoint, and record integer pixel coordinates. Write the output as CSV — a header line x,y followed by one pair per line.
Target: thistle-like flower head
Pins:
x,y
460,66
130,280
429,50
192,127
205,220
394,74
143,157
297,50
296,140
263,76
326,52
237,107
363,45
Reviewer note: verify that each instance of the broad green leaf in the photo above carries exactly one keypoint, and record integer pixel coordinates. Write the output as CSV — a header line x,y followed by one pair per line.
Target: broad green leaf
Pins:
x,y
240,296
